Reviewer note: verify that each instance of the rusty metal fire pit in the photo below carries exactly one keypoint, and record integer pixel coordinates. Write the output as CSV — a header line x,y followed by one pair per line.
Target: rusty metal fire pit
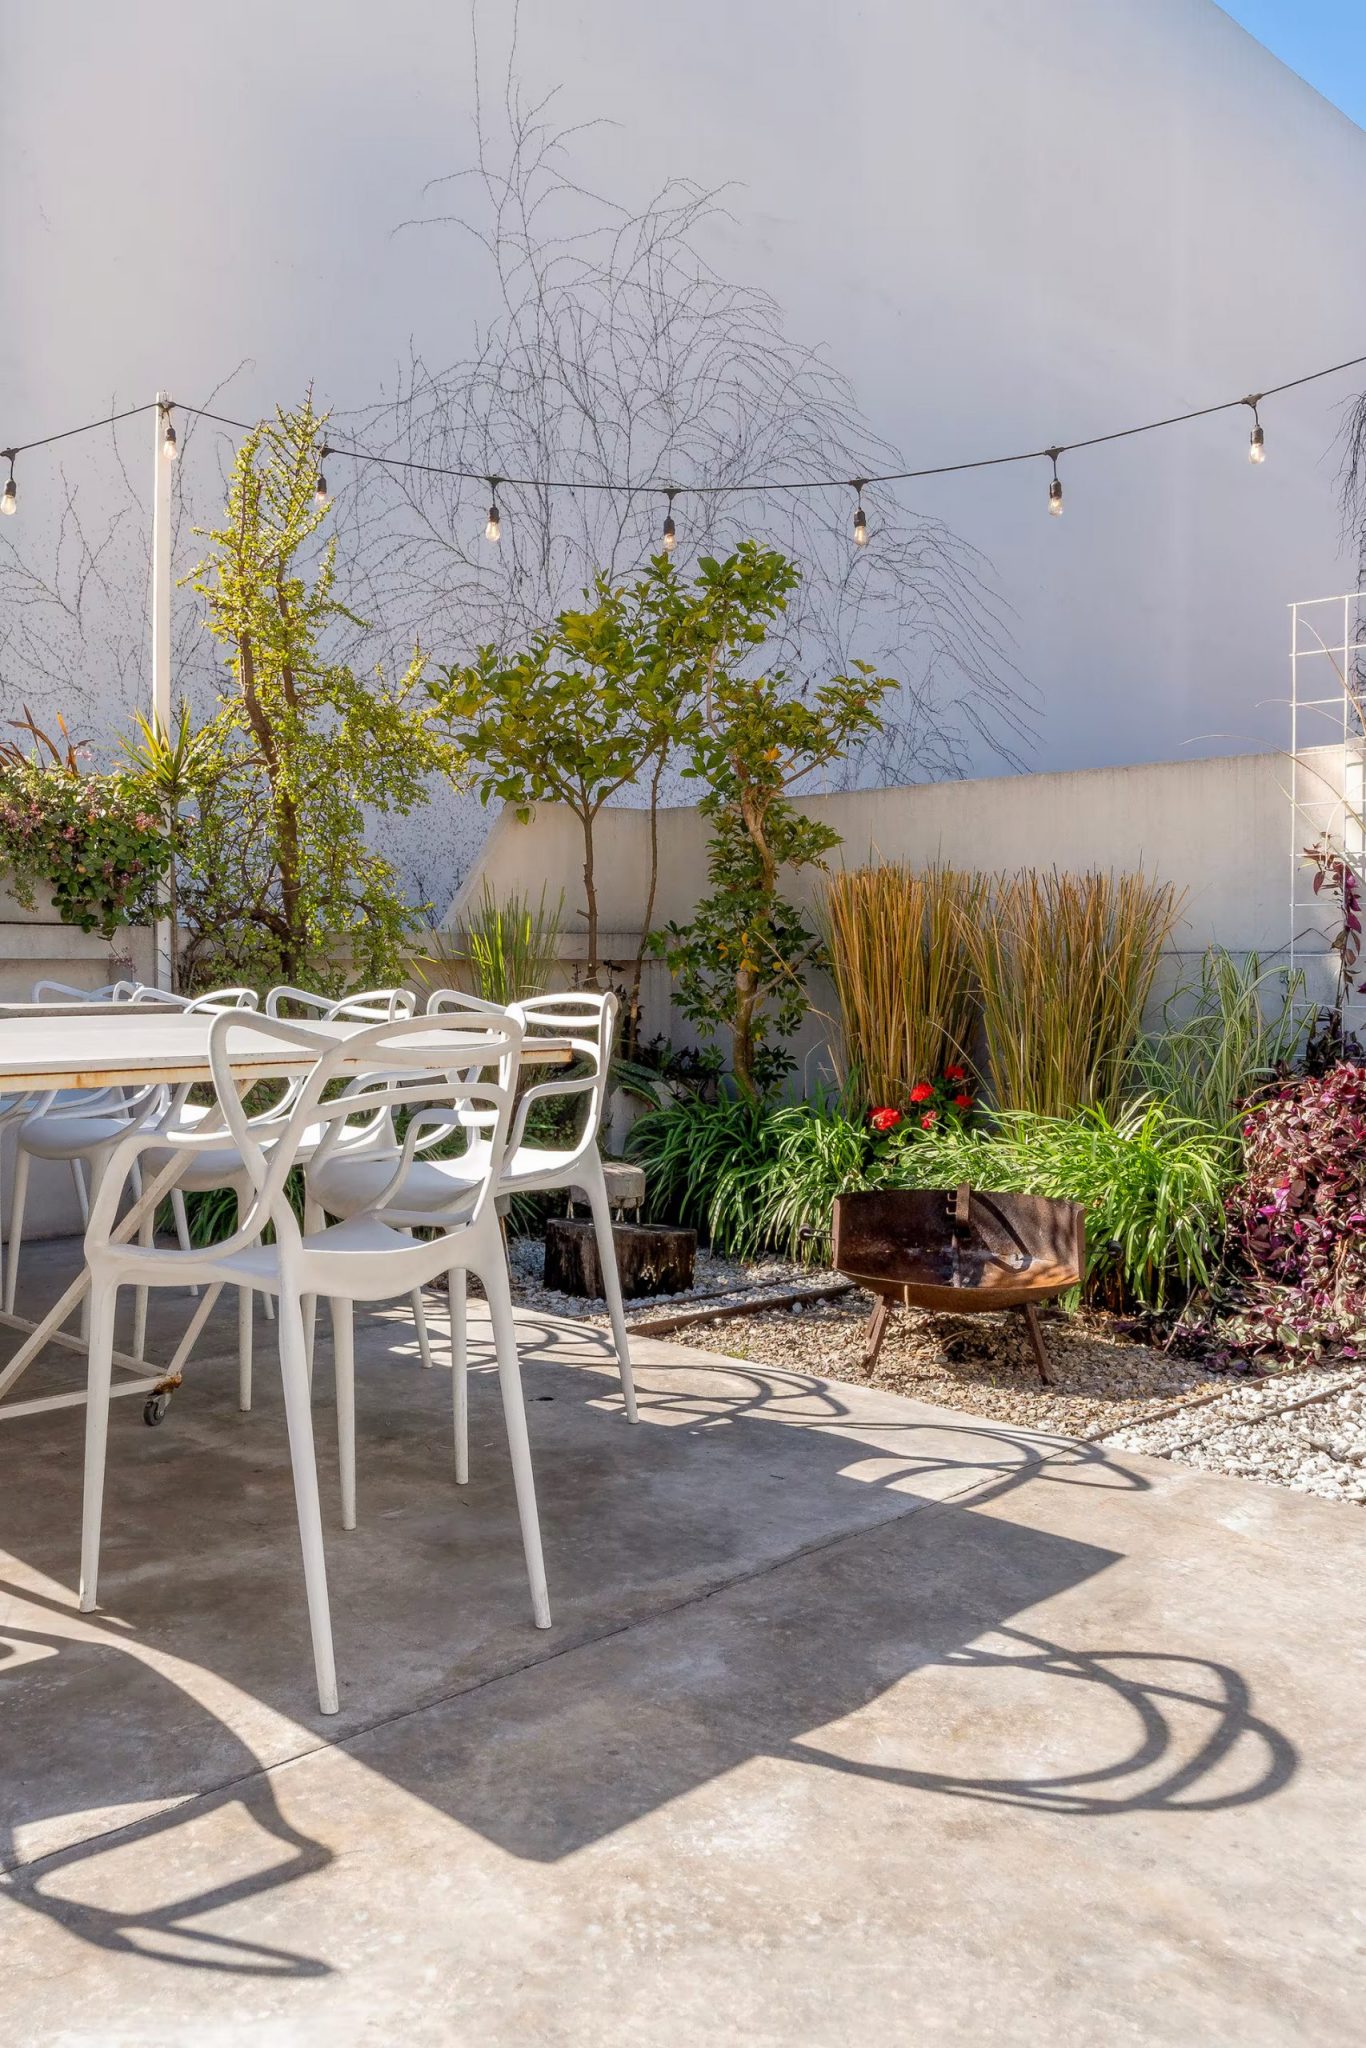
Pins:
x,y
959,1251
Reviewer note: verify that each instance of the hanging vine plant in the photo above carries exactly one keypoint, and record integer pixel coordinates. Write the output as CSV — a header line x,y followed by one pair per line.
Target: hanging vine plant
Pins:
x,y
86,837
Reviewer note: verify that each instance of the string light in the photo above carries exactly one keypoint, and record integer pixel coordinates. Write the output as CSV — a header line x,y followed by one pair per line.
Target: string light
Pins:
x,y
320,483
670,535
752,486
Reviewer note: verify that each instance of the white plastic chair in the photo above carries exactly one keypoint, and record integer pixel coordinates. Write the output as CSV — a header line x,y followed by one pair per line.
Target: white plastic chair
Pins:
x,y
370,1257
82,1126
340,1186
222,1166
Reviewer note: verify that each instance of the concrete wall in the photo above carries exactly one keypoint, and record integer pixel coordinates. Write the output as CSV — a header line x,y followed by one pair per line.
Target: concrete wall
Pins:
x,y
1219,829
36,946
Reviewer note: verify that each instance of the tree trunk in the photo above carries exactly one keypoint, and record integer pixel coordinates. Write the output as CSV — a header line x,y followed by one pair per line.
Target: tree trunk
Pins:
x,y
590,894
633,1011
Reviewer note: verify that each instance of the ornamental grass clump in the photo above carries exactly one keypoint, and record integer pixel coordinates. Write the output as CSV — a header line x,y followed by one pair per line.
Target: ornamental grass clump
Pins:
x,y
896,943
1297,1216
1064,966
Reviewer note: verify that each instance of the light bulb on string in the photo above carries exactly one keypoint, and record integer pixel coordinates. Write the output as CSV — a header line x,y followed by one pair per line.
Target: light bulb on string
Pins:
x,y
494,529
320,482
169,446
9,502
1055,487
1256,447
860,516
670,535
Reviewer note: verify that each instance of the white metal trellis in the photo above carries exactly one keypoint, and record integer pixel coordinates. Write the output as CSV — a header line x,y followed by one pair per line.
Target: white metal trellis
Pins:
x,y
1327,772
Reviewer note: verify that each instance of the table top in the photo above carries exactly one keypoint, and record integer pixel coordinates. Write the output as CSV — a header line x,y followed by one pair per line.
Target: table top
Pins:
x,y
115,1043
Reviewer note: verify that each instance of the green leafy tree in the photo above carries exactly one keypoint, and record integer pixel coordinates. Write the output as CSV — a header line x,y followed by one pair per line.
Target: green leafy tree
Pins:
x,y
605,697
276,871
741,961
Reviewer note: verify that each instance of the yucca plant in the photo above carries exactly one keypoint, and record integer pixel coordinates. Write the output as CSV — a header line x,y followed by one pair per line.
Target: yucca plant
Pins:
x,y
896,940
1064,966
506,948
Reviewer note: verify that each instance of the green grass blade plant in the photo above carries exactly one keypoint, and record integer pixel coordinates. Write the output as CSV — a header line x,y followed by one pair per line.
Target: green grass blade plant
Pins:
x,y
504,950
1224,1038
1065,965
896,942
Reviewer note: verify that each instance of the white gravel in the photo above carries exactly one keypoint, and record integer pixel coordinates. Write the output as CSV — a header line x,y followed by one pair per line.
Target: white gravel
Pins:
x,y
717,1282
1305,1431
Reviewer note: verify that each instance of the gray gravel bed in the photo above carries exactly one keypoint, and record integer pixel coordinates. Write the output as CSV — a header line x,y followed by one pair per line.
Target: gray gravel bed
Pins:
x,y
1305,1431
718,1283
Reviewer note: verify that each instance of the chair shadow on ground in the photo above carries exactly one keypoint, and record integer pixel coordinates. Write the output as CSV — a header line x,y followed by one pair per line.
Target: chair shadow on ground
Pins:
x,y
678,1659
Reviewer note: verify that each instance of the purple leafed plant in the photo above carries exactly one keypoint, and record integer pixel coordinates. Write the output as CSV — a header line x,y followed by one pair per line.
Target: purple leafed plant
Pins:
x,y
1298,1217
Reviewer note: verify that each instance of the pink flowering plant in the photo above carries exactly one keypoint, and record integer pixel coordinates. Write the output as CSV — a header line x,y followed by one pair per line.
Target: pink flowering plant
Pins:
x,y
86,837
1297,1218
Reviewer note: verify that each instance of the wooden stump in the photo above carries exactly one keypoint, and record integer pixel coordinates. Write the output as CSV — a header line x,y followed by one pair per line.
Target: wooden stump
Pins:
x,y
651,1258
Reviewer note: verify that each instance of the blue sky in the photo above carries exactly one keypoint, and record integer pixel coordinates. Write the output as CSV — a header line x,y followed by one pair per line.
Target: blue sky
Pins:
x,y
1324,40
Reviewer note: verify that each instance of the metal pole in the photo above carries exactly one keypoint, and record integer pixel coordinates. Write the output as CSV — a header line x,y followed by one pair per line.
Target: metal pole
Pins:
x,y
161,628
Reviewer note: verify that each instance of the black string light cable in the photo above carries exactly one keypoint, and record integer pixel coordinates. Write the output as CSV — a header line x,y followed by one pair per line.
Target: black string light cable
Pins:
x,y
493,528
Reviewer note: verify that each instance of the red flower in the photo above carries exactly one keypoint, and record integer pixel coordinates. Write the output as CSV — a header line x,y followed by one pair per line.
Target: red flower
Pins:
x,y
963,1102
927,1121
884,1119
922,1091
955,1073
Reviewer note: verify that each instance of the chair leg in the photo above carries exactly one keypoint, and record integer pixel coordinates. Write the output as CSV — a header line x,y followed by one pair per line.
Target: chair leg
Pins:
x,y
81,1196
100,1373
499,1294
298,1417
460,1375
344,1367
420,1319
16,1226
308,1306
145,1229
596,1192
182,1223
98,1163
246,1310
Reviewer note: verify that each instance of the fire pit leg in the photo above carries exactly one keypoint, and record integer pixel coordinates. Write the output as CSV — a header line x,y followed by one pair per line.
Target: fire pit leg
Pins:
x,y
1041,1359
876,1331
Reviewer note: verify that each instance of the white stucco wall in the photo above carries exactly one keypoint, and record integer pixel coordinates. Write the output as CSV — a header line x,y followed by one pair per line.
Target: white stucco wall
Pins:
x,y
1219,830
1007,222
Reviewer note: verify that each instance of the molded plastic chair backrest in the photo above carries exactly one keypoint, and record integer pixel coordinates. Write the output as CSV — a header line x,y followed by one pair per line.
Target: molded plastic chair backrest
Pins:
x,y
589,1021
408,1063
362,1005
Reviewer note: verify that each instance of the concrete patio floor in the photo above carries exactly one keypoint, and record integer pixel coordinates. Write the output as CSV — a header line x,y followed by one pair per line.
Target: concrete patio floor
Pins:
x,y
859,1722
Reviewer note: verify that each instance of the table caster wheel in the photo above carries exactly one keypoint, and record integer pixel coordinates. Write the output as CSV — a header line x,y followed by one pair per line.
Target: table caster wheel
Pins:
x,y
154,1410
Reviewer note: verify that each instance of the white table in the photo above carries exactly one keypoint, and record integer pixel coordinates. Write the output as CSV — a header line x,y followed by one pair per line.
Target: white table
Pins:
x,y
107,1045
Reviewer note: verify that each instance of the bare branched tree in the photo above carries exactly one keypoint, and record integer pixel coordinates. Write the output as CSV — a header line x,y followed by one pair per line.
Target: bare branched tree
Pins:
x,y
75,574
616,356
